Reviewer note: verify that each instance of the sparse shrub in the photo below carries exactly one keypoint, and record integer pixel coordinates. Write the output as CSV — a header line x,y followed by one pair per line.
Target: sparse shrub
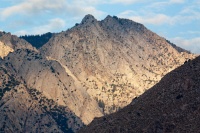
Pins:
x,y
101,104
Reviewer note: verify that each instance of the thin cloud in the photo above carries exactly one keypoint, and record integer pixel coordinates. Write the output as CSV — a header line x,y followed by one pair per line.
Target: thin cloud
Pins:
x,y
193,11
156,19
166,3
148,18
193,32
33,7
190,33
99,2
79,11
177,1
52,25
42,10
125,1
40,7
190,44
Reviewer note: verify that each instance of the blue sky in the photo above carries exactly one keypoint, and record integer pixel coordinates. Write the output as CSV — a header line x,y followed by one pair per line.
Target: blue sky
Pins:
x,y
176,20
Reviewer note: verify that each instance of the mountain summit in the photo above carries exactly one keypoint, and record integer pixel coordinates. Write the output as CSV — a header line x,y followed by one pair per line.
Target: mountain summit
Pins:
x,y
91,70
9,43
114,59
88,19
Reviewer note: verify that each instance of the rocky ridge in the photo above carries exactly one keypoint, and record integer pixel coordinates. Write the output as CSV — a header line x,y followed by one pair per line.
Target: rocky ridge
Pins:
x,y
172,105
10,43
24,109
48,85
51,79
114,59
14,42
90,70
4,50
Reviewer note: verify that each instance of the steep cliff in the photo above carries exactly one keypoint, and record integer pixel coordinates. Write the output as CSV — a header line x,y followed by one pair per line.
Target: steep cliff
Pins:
x,y
114,59
53,81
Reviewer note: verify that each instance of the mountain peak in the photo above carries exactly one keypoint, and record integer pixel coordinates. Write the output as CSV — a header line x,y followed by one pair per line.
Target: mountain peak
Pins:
x,y
88,19
2,33
110,18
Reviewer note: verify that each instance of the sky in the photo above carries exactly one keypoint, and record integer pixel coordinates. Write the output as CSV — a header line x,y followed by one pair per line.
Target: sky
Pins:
x,y
175,20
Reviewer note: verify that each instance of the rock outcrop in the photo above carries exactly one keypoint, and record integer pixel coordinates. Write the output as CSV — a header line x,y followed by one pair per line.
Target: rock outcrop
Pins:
x,y
52,89
114,59
10,43
14,42
53,81
4,50
172,105
24,109
92,69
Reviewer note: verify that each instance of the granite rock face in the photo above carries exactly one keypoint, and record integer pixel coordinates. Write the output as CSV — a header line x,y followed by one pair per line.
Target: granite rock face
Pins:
x,y
114,59
94,68
14,42
10,43
4,50
52,80
172,105
46,85
24,109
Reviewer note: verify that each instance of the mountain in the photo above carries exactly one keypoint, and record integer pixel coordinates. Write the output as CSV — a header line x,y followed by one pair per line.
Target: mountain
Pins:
x,y
9,43
51,79
51,95
24,109
172,105
114,59
38,40
93,69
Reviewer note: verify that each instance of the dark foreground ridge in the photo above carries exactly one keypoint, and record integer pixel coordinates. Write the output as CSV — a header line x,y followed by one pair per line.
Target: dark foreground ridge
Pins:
x,y
173,105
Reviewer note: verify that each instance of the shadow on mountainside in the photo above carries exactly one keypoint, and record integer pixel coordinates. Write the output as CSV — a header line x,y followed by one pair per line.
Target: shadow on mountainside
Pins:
x,y
172,105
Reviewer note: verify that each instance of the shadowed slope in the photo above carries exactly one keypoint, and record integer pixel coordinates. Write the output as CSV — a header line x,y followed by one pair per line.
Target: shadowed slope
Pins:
x,y
53,81
38,40
24,109
172,105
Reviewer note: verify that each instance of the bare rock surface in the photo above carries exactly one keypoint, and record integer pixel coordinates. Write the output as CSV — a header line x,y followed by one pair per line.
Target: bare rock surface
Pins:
x,y
24,109
172,105
14,42
4,50
114,59
94,68
53,81
10,43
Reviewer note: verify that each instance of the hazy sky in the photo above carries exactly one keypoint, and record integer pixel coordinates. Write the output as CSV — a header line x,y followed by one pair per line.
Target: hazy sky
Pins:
x,y
176,20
